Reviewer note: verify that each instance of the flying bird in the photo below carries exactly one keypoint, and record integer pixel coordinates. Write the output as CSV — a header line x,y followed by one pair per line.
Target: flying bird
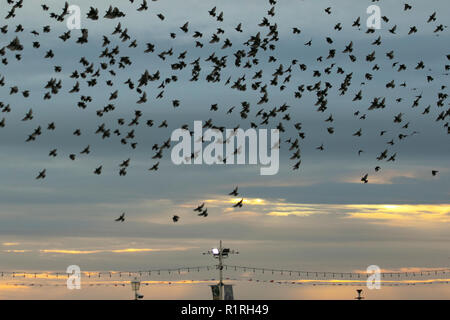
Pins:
x,y
121,218
200,207
203,213
364,178
234,192
41,175
238,204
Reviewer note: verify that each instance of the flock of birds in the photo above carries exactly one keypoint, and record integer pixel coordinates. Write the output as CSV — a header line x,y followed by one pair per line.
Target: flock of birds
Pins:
x,y
203,212
201,209
247,57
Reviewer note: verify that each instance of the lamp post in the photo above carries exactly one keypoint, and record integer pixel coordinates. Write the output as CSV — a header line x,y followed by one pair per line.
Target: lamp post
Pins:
x,y
135,285
359,297
220,254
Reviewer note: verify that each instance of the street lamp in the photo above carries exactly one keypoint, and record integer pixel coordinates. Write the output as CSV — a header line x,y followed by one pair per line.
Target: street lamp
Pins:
x,y
359,297
220,254
135,285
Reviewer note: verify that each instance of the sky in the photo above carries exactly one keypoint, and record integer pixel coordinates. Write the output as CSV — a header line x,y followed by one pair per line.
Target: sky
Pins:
x,y
320,217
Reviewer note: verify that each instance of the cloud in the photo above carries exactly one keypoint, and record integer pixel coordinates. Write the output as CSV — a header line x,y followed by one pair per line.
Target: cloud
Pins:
x,y
388,176
402,215
7,244
126,250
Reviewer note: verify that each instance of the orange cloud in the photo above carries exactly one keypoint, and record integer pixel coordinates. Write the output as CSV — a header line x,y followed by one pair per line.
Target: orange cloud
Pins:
x,y
7,244
409,215
126,250
401,214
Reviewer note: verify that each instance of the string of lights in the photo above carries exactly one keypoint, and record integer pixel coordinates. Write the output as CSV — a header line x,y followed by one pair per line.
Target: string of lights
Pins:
x,y
100,274
416,273
190,282
339,274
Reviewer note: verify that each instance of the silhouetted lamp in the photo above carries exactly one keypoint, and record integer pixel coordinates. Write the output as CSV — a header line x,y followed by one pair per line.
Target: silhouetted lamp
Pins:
x,y
359,297
135,285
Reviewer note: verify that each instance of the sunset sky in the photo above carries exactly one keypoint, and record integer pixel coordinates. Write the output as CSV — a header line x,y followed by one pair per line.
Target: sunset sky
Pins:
x,y
320,217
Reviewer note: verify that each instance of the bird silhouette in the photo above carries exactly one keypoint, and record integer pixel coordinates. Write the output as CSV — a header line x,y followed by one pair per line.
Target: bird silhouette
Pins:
x,y
200,207
121,218
364,178
41,175
238,204
234,192
203,213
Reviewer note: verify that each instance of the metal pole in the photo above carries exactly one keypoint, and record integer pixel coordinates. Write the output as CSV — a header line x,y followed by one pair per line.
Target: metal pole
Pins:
x,y
221,272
